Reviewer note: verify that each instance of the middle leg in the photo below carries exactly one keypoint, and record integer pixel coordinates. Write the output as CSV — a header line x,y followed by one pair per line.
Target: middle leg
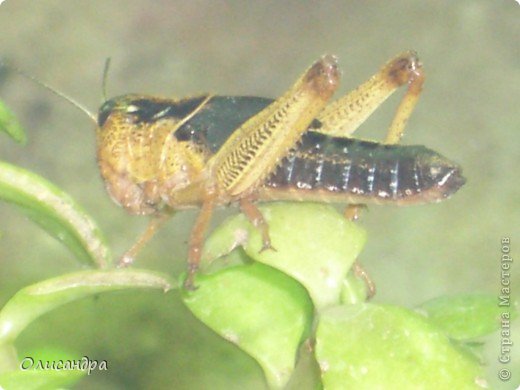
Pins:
x,y
257,219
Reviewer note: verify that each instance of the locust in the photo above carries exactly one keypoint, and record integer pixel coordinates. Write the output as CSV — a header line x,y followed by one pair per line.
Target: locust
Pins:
x,y
160,155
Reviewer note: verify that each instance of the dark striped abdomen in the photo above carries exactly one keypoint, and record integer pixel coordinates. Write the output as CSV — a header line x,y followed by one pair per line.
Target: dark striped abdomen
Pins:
x,y
366,170
358,170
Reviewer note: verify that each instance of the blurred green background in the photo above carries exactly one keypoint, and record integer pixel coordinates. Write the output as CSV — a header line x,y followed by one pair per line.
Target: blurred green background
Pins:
x,y
468,112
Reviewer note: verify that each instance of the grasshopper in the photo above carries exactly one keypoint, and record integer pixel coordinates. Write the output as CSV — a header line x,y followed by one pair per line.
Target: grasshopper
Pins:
x,y
159,155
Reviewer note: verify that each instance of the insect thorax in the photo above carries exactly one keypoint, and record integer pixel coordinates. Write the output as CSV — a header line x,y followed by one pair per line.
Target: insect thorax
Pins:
x,y
142,162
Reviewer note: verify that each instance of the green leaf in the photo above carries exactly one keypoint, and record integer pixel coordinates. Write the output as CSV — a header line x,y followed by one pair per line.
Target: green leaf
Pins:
x,y
370,346
354,290
313,243
40,379
33,301
258,308
466,317
56,212
306,374
10,125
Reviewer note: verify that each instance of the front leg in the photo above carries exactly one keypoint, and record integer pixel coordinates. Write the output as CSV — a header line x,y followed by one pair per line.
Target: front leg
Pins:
x,y
153,227
196,241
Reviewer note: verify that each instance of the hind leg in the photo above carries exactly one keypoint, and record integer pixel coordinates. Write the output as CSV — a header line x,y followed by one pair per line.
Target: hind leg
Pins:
x,y
343,116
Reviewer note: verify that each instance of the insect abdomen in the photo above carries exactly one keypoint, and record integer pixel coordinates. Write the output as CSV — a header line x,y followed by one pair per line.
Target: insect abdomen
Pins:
x,y
321,167
366,171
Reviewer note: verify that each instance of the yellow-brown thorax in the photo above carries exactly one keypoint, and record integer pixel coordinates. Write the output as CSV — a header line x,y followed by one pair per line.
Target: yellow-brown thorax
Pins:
x,y
142,163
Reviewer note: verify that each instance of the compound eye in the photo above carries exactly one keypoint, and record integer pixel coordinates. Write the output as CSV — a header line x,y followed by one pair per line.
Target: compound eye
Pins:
x,y
132,109
104,112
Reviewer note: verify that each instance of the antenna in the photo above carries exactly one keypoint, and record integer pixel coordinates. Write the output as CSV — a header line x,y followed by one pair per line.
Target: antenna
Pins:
x,y
104,80
51,89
